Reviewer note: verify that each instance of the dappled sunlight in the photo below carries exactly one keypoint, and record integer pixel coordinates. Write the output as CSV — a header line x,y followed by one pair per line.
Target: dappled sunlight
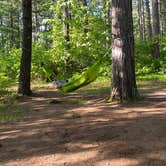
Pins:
x,y
119,162
97,133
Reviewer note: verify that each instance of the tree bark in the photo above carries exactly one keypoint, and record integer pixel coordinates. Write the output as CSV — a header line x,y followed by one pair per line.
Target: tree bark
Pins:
x,y
123,68
66,23
140,20
25,67
163,16
35,4
156,29
2,37
148,20
12,27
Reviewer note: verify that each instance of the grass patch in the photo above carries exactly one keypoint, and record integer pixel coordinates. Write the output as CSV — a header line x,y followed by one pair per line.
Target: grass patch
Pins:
x,y
6,82
37,84
9,110
10,113
152,77
8,97
151,84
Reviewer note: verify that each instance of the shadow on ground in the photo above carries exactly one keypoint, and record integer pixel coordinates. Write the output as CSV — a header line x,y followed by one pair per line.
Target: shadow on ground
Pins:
x,y
87,134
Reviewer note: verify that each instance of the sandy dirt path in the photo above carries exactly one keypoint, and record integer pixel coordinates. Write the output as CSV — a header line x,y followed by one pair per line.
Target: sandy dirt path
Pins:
x,y
83,130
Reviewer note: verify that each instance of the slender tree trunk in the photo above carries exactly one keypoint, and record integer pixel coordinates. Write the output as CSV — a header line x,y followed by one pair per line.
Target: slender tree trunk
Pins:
x,y
107,20
143,19
20,23
12,27
148,20
140,20
156,29
163,16
123,68
2,37
66,23
18,30
109,12
25,67
66,15
35,4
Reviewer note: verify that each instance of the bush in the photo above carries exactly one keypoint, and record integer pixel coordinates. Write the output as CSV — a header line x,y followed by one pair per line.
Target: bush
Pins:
x,y
145,63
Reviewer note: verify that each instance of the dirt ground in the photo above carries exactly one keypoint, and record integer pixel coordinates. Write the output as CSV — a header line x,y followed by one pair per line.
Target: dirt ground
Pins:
x,y
81,129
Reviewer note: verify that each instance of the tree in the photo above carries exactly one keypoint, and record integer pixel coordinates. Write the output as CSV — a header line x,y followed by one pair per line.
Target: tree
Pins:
x,y
148,19
123,68
25,67
156,28
66,23
140,20
9,25
163,15
36,20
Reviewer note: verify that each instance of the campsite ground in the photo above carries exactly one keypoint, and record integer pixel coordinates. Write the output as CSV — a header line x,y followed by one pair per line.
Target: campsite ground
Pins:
x,y
82,129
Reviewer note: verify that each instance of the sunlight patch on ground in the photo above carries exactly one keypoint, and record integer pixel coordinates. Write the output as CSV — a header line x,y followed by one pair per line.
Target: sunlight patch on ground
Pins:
x,y
118,162
51,160
158,155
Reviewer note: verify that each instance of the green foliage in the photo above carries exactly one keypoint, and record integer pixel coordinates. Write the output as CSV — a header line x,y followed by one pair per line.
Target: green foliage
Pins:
x,y
42,65
9,67
41,62
52,57
150,77
145,63
84,47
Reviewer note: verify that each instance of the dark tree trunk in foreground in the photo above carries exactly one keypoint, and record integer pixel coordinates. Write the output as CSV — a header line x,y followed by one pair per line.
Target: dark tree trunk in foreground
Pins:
x,y
123,68
25,67
148,19
156,28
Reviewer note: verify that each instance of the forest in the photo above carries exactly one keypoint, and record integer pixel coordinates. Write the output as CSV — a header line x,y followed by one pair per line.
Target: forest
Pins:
x,y
83,82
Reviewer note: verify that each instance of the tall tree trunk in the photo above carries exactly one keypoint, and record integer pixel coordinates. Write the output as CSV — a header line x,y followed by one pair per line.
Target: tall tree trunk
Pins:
x,y
25,67
143,19
156,29
66,23
109,12
1,31
140,20
163,16
123,68
18,30
148,20
20,22
35,4
12,27
66,14
107,20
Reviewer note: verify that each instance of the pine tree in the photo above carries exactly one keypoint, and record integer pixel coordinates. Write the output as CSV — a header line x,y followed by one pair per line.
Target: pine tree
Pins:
x,y
156,28
25,68
123,70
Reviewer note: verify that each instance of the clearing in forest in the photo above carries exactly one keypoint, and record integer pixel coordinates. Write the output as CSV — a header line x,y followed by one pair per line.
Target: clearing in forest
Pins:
x,y
81,129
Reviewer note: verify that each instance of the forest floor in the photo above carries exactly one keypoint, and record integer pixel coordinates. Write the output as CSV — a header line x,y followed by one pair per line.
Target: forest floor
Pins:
x,y
82,129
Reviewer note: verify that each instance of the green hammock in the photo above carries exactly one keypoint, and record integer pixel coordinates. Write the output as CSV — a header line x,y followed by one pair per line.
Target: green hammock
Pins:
x,y
83,79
